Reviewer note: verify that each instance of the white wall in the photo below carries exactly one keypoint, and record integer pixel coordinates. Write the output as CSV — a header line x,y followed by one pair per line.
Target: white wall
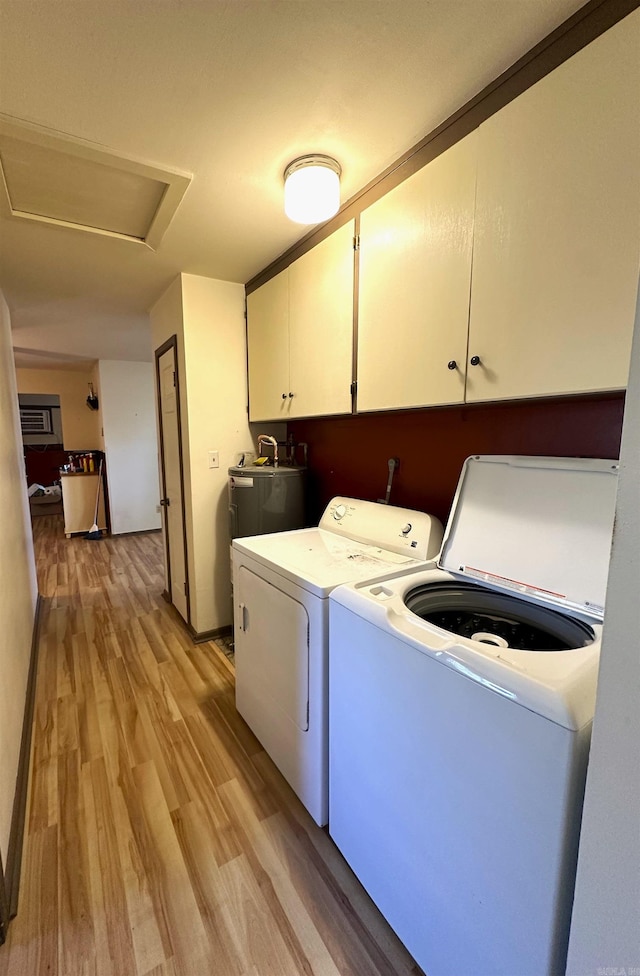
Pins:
x,y
127,407
208,318
216,393
605,927
18,588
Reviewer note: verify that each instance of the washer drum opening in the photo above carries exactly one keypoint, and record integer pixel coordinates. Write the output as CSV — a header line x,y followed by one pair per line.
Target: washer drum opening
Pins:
x,y
497,619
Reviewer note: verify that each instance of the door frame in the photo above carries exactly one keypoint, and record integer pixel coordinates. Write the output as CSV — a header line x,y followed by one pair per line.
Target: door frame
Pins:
x,y
4,906
172,343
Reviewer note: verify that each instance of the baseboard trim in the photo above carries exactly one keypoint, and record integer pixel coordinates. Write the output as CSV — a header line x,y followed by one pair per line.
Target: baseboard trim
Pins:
x,y
119,535
4,907
207,635
16,835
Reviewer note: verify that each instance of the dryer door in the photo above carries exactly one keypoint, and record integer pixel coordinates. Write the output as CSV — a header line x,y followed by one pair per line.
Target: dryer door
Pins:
x,y
271,657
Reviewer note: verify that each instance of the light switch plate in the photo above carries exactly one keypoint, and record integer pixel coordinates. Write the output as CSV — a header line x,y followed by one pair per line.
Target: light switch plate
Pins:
x,y
214,459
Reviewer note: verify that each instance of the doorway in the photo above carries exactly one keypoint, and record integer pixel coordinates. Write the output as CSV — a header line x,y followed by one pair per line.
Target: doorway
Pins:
x,y
172,478
42,439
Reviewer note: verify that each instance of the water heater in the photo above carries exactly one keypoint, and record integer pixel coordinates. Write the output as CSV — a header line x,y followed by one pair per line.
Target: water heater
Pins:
x,y
265,499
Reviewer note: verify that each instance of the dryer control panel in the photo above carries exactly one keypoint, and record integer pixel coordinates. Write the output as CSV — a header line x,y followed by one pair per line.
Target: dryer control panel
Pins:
x,y
400,530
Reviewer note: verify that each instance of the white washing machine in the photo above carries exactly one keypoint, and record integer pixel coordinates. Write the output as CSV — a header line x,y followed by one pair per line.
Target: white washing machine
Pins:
x,y
461,703
281,587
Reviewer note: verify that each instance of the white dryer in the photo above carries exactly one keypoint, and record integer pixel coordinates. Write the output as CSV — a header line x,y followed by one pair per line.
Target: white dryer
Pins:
x,y
282,583
461,703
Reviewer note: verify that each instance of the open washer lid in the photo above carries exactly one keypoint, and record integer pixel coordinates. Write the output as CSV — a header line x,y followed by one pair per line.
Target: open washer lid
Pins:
x,y
535,526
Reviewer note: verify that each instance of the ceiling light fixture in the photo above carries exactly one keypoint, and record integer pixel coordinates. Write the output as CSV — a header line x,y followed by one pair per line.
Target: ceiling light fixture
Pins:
x,y
312,189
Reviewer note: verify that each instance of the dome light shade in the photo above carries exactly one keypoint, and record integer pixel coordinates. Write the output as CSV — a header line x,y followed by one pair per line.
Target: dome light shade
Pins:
x,y
312,189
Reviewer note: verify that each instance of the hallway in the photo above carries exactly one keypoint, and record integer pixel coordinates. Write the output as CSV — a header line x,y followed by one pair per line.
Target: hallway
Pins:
x,y
160,839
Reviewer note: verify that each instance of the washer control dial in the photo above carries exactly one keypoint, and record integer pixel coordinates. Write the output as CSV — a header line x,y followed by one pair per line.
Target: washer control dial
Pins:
x,y
406,529
340,512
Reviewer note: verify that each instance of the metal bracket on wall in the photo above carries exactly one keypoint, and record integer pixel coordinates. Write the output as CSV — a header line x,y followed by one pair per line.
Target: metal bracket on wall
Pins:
x,y
393,465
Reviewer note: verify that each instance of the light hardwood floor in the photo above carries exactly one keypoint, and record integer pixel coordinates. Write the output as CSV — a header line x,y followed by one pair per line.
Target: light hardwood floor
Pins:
x,y
160,838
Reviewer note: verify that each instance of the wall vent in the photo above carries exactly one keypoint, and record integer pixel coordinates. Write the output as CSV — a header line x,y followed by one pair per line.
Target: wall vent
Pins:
x,y
36,420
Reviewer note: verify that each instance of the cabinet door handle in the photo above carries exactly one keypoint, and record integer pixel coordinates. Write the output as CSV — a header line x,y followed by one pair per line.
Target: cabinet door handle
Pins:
x,y
284,396
243,617
475,360
165,502
291,394
452,364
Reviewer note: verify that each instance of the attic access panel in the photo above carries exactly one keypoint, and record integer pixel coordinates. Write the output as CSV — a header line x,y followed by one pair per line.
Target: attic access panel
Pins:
x,y
60,180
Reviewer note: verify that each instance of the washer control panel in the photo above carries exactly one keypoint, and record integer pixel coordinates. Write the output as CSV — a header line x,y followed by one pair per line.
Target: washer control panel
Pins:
x,y
400,530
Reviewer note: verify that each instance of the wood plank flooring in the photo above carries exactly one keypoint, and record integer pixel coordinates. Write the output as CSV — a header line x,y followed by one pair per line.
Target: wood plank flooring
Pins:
x,y
160,838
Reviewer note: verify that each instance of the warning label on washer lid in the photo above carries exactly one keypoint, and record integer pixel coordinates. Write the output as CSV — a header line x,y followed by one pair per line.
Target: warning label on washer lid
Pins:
x,y
520,587
241,482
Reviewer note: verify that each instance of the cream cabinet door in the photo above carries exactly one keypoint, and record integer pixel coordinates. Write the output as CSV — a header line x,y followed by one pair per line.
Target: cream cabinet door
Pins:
x,y
557,232
415,274
321,327
268,349
79,493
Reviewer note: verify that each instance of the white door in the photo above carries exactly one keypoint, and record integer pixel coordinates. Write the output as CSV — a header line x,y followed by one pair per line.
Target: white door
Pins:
x,y
557,234
268,349
415,277
172,502
321,327
272,662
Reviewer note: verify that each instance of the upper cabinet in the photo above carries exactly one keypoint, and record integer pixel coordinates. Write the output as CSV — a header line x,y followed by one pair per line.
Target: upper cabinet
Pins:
x,y
543,201
505,268
557,229
268,342
300,335
321,327
415,276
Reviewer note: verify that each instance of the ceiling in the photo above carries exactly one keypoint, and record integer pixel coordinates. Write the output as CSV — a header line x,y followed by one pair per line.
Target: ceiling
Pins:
x,y
229,92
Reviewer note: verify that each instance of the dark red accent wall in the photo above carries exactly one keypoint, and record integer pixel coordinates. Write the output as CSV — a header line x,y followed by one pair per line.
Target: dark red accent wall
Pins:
x,y
42,464
349,455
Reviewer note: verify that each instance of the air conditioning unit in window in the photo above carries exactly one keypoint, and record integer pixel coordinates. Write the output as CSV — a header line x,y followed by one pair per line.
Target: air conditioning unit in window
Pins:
x,y
36,420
